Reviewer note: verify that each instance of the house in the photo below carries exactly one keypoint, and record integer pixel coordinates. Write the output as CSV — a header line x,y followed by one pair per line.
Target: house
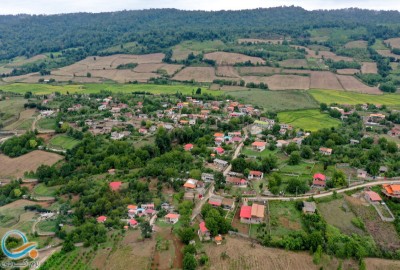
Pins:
x,y
236,139
394,132
219,150
102,107
203,232
153,128
383,169
376,117
391,190
319,180
207,177
255,175
325,151
218,239
309,207
228,203
373,197
143,131
146,206
240,182
258,146
219,135
190,184
255,130
101,219
115,186
262,124
188,196
353,142
117,136
220,163
172,218
132,223
218,141
281,143
111,171
235,134
188,147
252,214
215,201
361,174
298,141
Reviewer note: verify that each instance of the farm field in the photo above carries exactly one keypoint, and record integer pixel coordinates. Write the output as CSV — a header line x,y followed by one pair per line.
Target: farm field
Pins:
x,y
63,141
347,71
340,97
258,71
284,218
46,123
43,89
276,100
227,71
282,82
44,191
309,120
10,109
148,68
369,67
15,167
325,80
393,42
338,213
24,121
225,58
182,50
258,40
388,53
294,63
198,74
350,83
356,44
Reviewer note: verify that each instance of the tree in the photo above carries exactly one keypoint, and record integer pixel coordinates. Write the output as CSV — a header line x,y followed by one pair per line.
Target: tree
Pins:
x,y
391,147
291,148
89,75
294,158
339,178
306,152
146,229
189,262
296,185
186,234
198,91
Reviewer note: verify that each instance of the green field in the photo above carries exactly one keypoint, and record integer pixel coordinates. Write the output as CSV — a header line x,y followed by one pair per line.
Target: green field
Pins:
x,y
284,218
43,89
276,100
45,191
309,120
351,98
46,123
63,141
10,109
47,226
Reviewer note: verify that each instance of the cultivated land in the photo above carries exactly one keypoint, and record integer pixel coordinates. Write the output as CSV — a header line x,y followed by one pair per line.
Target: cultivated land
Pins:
x,y
294,63
225,58
63,142
43,89
282,82
284,218
10,110
393,42
182,50
198,74
340,97
309,120
257,40
24,121
325,80
369,67
258,71
356,44
347,71
15,167
350,83
276,100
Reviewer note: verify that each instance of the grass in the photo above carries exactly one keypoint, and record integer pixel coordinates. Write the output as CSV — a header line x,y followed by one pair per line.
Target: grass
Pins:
x,y
64,141
43,89
43,190
351,98
47,226
301,168
276,100
47,123
25,124
10,109
379,45
310,120
284,218
249,152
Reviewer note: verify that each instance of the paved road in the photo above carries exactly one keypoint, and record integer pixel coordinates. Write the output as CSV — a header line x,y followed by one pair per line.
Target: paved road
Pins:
x,y
329,193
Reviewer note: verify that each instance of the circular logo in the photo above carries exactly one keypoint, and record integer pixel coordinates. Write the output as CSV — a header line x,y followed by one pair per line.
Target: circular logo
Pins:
x,y
27,248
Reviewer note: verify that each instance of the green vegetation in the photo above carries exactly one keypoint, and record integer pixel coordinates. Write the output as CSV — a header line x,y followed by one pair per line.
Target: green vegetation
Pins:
x,y
351,98
285,218
64,142
43,190
47,226
46,124
18,146
276,100
310,120
10,109
43,89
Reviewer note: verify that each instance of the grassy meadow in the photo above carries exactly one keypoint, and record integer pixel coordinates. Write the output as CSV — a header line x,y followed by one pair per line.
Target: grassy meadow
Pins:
x,y
309,120
63,141
352,98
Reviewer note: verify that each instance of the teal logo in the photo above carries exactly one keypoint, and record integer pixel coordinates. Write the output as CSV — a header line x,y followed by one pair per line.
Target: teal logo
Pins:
x,y
27,248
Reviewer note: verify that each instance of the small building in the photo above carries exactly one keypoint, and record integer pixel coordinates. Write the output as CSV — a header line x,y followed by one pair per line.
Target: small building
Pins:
x,y
203,232
394,132
218,239
362,174
240,182
372,197
325,151
309,207
219,150
188,196
252,214
220,163
172,218
188,147
215,201
190,184
259,146
101,219
383,169
281,143
391,190
115,186
111,171
147,206
132,223
207,177
228,204
353,141
319,180
255,175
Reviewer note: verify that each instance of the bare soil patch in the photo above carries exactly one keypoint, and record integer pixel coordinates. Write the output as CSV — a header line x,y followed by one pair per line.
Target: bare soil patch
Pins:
x,y
225,58
227,71
258,71
15,167
388,53
333,56
325,80
152,68
381,264
362,44
369,67
347,71
199,74
394,42
282,82
352,84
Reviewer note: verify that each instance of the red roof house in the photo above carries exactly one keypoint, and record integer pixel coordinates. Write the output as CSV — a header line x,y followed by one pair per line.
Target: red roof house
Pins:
x,y
203,232
319,180
255,175
373,197
219,150
133,223
188,147
245,212
101,219
115,185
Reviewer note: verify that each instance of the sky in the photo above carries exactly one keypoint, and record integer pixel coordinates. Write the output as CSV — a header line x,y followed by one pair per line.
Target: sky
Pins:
x,y
69,6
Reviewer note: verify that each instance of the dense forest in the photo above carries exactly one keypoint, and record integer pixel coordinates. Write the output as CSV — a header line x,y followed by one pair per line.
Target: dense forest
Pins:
x,y
157,29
